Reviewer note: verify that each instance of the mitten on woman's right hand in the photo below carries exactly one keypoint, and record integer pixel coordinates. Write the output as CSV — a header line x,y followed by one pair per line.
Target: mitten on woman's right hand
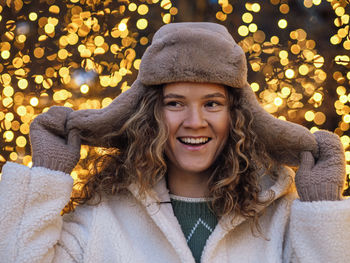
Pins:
x,y
52,146
323,180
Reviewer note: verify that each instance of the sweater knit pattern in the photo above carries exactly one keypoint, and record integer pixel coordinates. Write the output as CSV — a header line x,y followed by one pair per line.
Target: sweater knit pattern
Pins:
x,y
197,222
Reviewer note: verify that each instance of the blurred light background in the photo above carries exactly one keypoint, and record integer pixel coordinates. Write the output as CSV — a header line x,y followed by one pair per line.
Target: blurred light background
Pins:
x,y
83,53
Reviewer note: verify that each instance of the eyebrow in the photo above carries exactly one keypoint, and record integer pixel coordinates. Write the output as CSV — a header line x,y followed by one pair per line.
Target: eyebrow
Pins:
x,y
208,96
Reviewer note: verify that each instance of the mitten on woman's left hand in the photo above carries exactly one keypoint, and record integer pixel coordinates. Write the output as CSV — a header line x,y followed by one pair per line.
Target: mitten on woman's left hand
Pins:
x,y
325,178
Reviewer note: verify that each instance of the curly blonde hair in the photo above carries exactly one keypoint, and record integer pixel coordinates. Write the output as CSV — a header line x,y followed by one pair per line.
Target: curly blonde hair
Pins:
x,y
234,182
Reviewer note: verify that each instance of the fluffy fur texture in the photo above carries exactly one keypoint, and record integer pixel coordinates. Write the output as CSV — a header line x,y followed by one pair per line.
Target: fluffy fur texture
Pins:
x,y
195,52
125,229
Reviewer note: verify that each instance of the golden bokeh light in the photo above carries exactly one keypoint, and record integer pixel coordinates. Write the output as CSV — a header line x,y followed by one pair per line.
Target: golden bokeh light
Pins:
x,y
282,23
290,73
84,88
243,30
142,23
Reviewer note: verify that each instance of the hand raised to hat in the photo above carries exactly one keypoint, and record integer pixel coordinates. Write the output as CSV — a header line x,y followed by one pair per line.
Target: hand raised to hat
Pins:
x,y
92,124
52,145
324,178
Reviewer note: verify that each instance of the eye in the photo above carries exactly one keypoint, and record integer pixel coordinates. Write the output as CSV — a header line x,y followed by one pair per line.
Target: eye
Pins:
x,y
173,104
213,104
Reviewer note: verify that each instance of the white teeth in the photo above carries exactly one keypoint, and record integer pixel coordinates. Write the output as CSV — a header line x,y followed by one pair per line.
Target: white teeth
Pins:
x,y
195,141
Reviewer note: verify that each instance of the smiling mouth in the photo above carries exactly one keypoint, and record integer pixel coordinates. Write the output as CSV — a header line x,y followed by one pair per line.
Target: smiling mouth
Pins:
x,y
194,141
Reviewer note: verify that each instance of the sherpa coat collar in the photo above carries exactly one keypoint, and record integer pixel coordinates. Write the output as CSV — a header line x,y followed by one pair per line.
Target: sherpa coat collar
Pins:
x,y
163,215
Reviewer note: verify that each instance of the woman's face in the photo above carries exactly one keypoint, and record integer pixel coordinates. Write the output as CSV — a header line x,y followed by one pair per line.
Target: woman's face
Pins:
x,y
197,116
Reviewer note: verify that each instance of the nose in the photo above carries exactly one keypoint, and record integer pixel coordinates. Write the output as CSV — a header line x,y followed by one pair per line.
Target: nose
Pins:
x,y
195,119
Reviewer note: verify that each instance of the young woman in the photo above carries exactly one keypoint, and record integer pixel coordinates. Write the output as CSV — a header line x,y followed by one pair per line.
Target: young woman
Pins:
x,y
195,171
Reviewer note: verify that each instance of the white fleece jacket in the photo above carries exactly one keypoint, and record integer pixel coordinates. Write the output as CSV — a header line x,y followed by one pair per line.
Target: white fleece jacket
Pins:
x,y
125,229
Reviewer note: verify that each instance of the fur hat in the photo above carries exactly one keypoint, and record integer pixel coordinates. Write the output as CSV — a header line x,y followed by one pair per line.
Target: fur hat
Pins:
x,y
196,52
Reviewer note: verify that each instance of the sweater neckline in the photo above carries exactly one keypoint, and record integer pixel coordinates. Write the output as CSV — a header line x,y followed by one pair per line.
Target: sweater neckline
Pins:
x,y
190,199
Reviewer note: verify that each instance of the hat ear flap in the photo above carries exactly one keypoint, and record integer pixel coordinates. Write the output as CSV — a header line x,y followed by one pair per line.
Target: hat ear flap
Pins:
x,y
284,140
94,124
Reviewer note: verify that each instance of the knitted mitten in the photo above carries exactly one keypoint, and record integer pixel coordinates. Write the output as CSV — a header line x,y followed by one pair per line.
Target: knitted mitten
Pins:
x,y
323,180
52,146
93,124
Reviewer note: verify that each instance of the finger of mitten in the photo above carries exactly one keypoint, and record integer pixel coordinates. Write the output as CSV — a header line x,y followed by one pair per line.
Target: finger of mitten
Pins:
x,y
330,146
303,177
331,163
54,120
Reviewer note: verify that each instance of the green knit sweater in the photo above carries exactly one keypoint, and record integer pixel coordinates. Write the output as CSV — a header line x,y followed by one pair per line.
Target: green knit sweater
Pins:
x,y
196,220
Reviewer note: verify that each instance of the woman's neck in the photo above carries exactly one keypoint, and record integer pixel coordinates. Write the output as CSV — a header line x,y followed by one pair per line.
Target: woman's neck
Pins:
x,y
187,184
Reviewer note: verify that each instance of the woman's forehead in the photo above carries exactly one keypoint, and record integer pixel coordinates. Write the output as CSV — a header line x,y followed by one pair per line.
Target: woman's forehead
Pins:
x,y
194,89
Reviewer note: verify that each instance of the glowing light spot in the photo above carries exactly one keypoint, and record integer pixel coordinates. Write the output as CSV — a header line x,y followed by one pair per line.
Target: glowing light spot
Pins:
x,y
84,88
5,54
290,73
314,129
8,136
285,91
255,86
39,79
283,54
227,9
137,63
13,156
282,23
335,40
304,69
346,118
341,90
142,9
99,40
34,101
33,16
142,23
347,156
255,7
278,101
243,30
345,140
316,2
253,27
274,40
122,27
64,71
309,115
284,9
343,99
247,17
49,28
62,54
318,61
167,18
21,141
346,45
9,116
320,118
342,60
308,3
317,97
132,7
21,38
21,110
166,4
339,11
38,52
8,91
